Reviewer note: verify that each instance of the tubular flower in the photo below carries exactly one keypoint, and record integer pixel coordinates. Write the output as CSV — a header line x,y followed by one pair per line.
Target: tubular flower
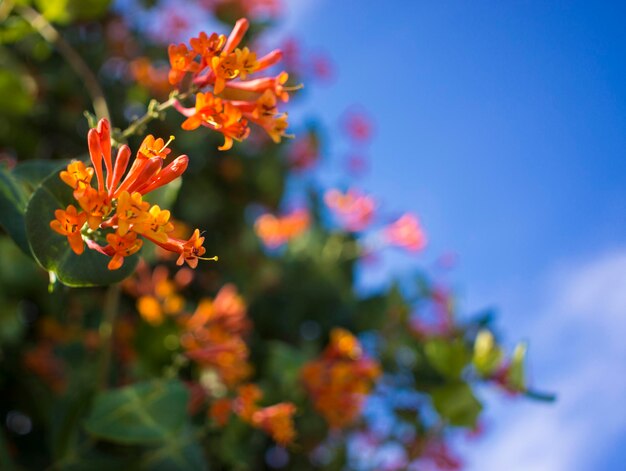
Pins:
x,y
213,336
407,233
69,223
276,420
338,381
226,101
115,210
354,209
275,231
157,294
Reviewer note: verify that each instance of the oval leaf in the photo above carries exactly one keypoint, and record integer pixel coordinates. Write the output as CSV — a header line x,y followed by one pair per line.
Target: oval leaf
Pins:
x,y
144,413
53,251
12,207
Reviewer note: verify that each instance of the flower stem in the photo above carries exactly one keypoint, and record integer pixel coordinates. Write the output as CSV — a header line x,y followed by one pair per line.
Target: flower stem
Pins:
x,y
76,62
111,307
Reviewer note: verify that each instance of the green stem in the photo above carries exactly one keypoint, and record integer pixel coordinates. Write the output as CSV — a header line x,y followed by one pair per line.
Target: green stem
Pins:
x,y
111,308
52,35
154,111
540,396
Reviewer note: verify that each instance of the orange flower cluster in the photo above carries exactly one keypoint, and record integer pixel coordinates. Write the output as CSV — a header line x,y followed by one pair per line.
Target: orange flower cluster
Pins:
x,y
275,231
229,102
275,420
213,336
354,209
115,210
407,233
339,380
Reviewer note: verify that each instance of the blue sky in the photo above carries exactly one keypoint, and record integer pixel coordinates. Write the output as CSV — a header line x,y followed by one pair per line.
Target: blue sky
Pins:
x,y
503,125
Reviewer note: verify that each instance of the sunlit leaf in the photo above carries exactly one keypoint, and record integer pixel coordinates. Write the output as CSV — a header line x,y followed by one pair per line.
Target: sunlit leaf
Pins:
x,y
12,208
457,404
448,358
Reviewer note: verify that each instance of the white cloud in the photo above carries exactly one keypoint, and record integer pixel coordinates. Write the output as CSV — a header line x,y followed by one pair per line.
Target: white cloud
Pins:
x,y
579,338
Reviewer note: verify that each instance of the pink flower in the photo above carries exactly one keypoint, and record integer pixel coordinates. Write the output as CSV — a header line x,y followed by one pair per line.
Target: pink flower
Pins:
x,y
407,233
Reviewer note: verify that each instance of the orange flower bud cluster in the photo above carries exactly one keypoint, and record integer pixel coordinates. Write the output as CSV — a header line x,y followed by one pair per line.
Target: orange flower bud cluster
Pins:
x,y
275,231
340,379
226,101
115,209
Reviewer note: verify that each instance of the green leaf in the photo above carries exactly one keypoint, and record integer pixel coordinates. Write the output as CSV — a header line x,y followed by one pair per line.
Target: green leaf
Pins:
x,y
52,250
457,404
144,413
32,172
12,207
487,355
447,357
165,196
181,452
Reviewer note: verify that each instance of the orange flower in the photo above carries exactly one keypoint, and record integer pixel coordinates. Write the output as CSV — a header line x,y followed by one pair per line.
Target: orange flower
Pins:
x,y
69,223
182,61
78,176
246,403
96,205
207,46
275,231
156,225
192,250
220,411
121,246
277,421
339,380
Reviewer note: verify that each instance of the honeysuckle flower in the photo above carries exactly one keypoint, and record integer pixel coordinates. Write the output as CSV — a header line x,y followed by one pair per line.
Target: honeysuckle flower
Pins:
x,y
220,411
226,101
354,209
407,233
78,176
277,421
116,210
156,226
275,231
339,379
181,61
121,246
69,222
96,204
